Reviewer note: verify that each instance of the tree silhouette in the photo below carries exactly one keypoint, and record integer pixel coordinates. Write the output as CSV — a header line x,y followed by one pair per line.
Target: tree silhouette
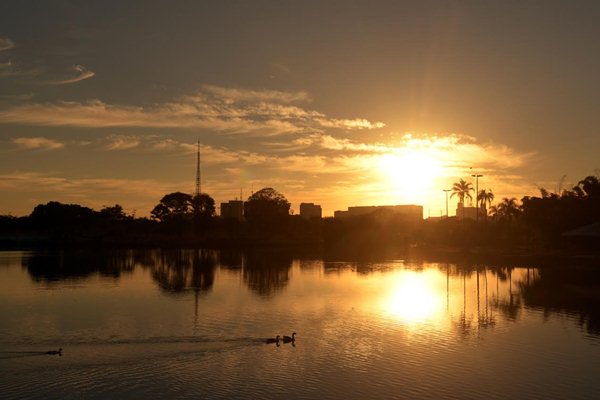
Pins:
x,y
462,189
203,207
507,209
485,197
113,213
266,206
589,186
173,206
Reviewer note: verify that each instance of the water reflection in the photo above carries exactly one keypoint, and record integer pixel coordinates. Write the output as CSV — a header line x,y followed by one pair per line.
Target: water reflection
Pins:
x,y
60,265
412,297
464,298
557,290
178,271
267,272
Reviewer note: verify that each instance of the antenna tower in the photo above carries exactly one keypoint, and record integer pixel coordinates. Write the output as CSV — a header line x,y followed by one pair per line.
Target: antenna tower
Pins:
x,y
198,184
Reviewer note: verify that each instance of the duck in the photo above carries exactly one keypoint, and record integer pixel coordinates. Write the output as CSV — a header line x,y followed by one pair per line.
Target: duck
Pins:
x,y
271,340
54,352
287,339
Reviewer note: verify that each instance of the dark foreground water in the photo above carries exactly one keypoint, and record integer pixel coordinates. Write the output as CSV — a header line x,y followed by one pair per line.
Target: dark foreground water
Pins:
x,y
192,324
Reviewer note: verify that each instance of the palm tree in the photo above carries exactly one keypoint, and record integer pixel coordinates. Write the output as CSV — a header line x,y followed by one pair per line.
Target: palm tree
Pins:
x,y
462,189
485,197
507,209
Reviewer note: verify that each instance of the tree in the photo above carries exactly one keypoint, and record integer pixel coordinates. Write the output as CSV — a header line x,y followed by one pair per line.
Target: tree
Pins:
x,y
507,209
462,189
266,206
203,208
114,213
176,205
65,220
588,186
203,205
485,197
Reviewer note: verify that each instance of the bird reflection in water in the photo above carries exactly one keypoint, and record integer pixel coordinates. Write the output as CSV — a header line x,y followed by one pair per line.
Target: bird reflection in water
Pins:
x,y
273,340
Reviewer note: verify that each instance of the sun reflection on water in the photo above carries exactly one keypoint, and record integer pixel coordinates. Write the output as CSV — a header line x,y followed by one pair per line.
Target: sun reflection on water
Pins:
x,y
412,298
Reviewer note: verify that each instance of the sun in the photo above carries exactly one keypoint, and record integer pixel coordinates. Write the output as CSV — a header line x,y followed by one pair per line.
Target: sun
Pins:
x,y
411,175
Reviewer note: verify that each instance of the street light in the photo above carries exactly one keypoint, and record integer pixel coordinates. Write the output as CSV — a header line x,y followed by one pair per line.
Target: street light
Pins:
x,y
447,190
476,176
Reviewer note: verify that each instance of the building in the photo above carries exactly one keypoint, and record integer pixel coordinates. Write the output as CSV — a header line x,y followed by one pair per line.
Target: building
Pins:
x,y
413,212
463,212
233,209
310,210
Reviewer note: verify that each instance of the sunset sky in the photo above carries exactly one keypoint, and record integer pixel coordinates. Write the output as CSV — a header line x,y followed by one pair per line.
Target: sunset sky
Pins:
x,y
340,103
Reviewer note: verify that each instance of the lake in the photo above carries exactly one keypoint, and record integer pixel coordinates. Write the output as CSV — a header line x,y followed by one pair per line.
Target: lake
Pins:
x,y
193,324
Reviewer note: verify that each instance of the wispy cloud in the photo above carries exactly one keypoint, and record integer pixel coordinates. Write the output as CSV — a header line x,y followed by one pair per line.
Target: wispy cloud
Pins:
x,y
358,123
230,110
119,142
37,143
79,73
335,172
252,96
453,150
6,44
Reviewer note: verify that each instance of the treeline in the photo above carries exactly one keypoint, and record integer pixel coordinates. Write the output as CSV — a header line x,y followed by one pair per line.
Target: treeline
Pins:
x,y
534,224
180,219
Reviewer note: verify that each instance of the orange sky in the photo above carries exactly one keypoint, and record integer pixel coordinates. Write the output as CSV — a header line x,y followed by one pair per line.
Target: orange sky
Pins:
x,y
340,103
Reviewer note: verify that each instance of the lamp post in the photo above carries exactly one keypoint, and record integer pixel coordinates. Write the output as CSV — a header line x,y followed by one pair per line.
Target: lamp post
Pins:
x,y
447,190
476,176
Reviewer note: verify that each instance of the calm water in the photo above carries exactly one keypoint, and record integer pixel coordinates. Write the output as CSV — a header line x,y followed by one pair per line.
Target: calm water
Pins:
x,y
192,324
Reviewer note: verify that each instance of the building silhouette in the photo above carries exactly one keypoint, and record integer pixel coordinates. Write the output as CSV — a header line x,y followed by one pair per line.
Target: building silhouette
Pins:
x,y
413,212
233,209
463,212
310,210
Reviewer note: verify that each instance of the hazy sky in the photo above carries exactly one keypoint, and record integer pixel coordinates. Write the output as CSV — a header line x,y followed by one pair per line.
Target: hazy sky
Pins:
x,y
336,102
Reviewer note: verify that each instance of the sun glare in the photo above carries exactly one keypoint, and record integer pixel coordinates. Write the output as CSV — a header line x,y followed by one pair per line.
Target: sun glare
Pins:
x,y
412,299
411,175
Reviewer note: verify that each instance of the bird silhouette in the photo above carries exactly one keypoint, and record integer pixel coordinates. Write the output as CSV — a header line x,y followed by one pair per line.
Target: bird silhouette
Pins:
x,y
54,352
287,339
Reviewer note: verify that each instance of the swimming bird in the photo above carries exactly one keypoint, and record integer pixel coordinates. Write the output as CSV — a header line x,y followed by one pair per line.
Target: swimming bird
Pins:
x,y
287,339
53,352
271,340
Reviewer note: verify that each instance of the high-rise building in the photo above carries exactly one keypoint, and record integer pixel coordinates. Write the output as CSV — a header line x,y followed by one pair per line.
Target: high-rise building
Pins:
x,y
310,210
233,209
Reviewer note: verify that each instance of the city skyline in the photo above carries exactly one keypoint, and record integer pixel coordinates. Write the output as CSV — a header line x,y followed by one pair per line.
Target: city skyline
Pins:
x,y
337,104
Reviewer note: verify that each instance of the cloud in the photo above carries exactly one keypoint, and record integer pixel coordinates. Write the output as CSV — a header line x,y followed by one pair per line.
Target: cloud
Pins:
x,y
117,142
234,95
80,73
359,123
454,151
229,110
335,172
6,44
37,143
